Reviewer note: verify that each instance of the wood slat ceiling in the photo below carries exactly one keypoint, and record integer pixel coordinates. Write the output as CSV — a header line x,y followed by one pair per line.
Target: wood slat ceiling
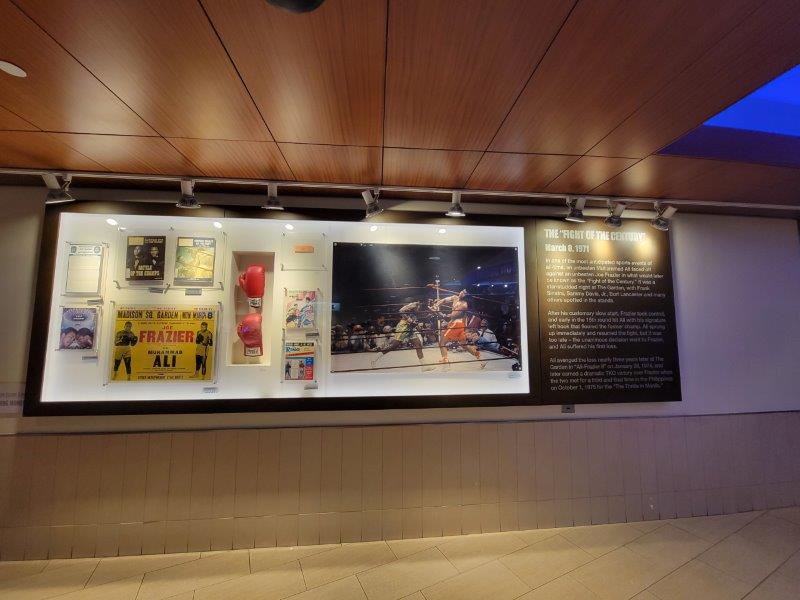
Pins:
x,y
609,58
40,150
553,96
455,67
316,78
720,181
58,94
10,121
162,59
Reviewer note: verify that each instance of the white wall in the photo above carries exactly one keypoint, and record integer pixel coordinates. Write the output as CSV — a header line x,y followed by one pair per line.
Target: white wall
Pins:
x,y
737,297
737,289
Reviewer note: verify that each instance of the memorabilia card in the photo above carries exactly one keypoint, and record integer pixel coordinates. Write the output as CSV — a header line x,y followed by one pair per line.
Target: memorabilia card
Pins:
x,y
84,268
298,359
162,343
406,308
194,261
300,311
144,258
78,328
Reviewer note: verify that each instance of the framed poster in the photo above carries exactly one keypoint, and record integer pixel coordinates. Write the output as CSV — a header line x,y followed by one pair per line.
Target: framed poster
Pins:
x,y
163,343
300,309
144,258
194,261
84,270
424,308
78,329
298,361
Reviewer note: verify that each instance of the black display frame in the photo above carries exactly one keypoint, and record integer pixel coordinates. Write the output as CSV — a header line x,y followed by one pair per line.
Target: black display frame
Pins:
x,y
34,406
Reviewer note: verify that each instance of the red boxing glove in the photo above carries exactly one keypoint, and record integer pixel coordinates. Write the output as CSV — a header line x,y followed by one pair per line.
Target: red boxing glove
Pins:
x,y
252,284
249,330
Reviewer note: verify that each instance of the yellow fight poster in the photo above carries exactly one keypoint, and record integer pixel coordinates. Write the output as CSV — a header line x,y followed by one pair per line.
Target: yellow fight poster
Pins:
x,y
157,343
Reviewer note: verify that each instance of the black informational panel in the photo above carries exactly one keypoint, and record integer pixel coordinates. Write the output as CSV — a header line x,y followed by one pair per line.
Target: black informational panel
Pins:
x,y
606,313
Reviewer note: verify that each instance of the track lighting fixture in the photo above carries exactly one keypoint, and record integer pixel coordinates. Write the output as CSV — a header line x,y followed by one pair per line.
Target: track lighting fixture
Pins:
x,y
614,218
188,199
455,206
57,191
272,198
663,215
575,206
371,199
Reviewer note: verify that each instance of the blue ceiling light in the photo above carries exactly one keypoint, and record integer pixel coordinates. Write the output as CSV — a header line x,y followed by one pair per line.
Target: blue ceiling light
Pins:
x,y
772,108
763,127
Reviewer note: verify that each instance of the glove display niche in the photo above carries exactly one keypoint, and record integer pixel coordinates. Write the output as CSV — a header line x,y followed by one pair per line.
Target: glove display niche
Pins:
x,y
252,304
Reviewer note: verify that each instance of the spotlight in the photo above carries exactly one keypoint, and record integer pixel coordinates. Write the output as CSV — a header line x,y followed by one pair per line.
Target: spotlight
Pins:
x,y
371,199
663,215
188,199
614,218
373,228
272,198
217,225
575,206
57,192
112,222
442,230
12,69
455,207
289,226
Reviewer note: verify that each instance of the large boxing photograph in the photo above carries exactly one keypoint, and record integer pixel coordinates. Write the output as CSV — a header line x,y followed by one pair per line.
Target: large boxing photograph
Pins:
x,y
409,308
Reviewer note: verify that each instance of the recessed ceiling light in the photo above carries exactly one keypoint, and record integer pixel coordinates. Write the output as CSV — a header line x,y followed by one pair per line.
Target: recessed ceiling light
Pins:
x,y
112,222
442,230
217,225
121,228
12,69
289,226
373,228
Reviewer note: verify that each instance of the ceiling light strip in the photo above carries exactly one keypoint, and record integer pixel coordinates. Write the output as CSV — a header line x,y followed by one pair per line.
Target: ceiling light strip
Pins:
x,y
393,188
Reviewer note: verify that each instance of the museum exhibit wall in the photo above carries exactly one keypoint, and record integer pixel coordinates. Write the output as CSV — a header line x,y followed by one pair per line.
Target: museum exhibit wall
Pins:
x,y
97,486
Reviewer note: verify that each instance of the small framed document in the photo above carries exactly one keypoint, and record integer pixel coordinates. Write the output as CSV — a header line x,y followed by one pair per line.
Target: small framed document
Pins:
x,y
84,270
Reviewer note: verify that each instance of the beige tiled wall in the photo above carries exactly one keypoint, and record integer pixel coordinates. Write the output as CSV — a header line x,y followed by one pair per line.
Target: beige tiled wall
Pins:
x,y
103,495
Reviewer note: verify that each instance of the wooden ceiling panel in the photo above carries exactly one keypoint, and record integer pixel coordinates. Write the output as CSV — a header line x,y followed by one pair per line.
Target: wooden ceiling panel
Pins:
x,y
131,154
518,172
317,77
607,60
428,168
39,150
235,159
162,59
587,173
334,164
700,179
11,122
455,67
58,94
762,47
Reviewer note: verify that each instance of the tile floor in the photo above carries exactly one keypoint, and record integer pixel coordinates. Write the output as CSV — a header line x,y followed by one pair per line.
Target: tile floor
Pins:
x,y
752,555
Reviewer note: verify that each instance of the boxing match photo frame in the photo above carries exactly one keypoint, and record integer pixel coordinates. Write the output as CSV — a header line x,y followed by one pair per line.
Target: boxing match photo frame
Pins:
x,y
435,309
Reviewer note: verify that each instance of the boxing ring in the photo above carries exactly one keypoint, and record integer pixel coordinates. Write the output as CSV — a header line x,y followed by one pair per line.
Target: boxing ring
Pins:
x,y
405,360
